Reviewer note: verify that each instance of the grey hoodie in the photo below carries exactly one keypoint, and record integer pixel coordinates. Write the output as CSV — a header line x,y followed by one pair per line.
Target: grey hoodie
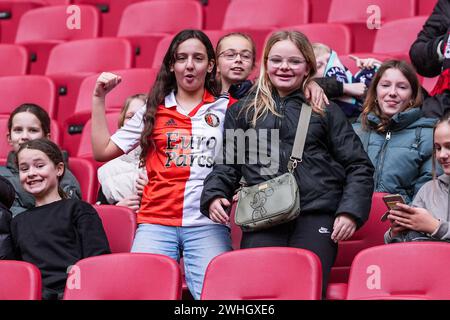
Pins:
x,y
434,197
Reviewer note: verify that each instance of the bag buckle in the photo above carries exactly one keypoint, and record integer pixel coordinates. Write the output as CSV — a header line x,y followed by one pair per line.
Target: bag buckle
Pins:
x,y
292,164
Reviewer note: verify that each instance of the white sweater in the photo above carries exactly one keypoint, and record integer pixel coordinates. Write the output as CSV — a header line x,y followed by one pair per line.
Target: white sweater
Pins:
x,y
118,176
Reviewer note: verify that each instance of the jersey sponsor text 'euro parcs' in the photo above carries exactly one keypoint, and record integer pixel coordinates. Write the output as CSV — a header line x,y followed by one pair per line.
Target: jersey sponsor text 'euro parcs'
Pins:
x,y
185,148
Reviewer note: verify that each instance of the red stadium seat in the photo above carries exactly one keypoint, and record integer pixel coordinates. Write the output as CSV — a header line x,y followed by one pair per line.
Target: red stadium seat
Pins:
x,y
144,33
110,13
120,226
351,65
56,2
85,147
362,16
337,36
396,37
405,271
214,13
90,56
371,234
69,63
17,90
19,280
319,10
126,276
86,173
160,51
425,7
39,38
134,81
257,14
264,273
10,13
13,59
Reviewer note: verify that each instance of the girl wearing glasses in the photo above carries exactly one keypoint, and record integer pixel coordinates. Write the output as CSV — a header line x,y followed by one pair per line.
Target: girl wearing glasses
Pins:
x,y
335,176
236,59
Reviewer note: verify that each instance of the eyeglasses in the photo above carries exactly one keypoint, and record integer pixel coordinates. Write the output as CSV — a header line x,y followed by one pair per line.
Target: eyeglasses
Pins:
x,y
231,54
292,62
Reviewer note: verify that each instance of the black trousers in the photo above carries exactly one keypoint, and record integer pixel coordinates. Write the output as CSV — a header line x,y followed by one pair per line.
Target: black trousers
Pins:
x,y
310,231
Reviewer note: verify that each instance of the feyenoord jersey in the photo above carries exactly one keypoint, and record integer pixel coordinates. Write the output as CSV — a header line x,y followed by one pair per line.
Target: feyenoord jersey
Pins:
x,y
185,148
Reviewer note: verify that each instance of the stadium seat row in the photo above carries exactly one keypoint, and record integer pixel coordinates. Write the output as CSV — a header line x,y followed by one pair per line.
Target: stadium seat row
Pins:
x,y
408,271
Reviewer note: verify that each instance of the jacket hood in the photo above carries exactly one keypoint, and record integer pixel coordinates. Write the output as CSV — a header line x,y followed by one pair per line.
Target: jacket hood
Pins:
x,y
445,179
407,119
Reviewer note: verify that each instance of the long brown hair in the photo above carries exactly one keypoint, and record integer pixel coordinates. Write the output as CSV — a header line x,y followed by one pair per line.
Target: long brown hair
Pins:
x,y
51,150
166,82
371,103
263,88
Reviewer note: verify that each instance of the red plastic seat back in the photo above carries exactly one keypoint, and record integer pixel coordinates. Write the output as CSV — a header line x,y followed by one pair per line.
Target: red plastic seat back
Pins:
x,y
120,226
17,90
57,2
160,52
264,273
214,13
85,147
51,23
166,16
337,36
416,270
13,59
265,14
425,7
11,11
134,81
86,174
361,10
396,37
125,276
90,55
371,234
110,13
19,280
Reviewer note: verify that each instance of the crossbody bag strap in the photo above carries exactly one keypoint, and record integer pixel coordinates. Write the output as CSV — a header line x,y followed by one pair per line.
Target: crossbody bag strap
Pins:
x,y
300,137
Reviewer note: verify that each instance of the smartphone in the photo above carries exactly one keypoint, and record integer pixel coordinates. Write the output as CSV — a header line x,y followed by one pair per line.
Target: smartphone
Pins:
x,y
391,200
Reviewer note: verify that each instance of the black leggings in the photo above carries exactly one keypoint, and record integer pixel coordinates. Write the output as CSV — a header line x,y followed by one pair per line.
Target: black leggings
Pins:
x,y
310,231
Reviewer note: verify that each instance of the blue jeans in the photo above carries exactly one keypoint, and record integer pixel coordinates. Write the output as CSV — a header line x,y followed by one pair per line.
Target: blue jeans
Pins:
x,y
198,244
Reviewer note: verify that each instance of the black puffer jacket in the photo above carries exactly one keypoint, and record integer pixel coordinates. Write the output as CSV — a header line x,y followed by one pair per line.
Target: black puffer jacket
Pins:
x,y
334,177
7,194
423,52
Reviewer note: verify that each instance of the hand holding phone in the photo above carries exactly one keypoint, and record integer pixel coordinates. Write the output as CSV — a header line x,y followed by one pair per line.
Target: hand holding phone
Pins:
x,y
391,201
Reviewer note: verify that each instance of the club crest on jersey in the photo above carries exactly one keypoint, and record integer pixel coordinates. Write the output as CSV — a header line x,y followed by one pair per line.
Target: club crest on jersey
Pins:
x,y
212,120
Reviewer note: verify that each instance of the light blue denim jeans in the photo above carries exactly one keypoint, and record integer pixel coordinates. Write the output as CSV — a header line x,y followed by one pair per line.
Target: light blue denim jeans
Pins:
x,y
198,244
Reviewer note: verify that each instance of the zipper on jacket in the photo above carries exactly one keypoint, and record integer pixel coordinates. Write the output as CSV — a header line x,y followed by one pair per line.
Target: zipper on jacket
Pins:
x,y
381,160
